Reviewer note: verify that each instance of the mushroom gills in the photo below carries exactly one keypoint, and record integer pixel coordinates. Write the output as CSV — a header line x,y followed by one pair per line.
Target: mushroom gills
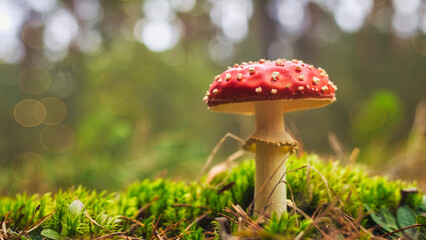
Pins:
x,y
286,105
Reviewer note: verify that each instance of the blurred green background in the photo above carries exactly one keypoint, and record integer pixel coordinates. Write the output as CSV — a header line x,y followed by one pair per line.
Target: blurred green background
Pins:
x,y
103,93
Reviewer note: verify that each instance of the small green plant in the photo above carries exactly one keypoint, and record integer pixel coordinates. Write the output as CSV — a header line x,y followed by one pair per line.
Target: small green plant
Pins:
x,y
285,227
327,199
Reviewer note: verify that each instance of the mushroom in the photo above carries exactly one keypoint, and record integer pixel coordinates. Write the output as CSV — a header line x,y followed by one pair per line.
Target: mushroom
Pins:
x,y
267,89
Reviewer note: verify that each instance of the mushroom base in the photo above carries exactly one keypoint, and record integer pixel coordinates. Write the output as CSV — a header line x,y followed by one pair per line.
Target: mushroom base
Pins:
x,y
272,198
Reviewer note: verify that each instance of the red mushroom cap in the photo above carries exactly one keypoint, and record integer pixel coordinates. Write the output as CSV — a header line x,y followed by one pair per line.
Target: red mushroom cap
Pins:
x,y
297,84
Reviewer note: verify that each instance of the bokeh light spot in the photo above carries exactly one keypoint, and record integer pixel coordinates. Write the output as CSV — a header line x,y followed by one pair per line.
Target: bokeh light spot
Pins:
x,y
55,110
64,85
291,15
29,112
405,25
160,35
117,97
157,9
60,30
406,7
183,5
11,49
89,41
29,167
222,52
88,10
123,107
232,17
34,79
104,82
32,36
11,17
42,5
55,56
57,138
116,93
367,115
236,30
349,16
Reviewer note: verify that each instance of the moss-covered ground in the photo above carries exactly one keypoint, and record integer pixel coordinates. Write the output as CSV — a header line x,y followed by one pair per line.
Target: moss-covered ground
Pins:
x,y
330,201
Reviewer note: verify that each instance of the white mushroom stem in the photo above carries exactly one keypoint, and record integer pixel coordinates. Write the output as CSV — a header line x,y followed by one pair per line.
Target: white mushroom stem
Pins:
x,y
270,125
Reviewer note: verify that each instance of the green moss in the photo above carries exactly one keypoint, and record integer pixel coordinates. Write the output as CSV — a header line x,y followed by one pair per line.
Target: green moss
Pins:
x,y
174,208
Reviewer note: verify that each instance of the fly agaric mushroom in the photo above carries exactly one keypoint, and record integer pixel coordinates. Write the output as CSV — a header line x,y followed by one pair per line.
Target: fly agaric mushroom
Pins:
x,y
268,89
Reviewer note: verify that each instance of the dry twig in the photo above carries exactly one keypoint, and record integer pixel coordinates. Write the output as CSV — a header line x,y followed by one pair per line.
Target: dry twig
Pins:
x,y
214,151
26,225
140,211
